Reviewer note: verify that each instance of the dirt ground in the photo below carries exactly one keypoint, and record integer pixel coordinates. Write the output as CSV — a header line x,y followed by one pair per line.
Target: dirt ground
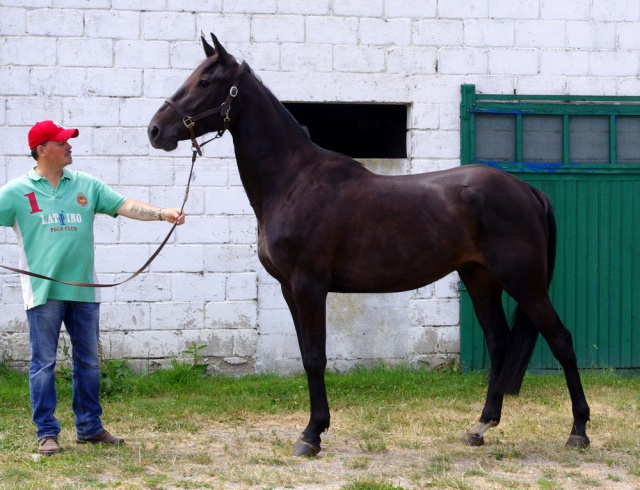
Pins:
x,y
405,453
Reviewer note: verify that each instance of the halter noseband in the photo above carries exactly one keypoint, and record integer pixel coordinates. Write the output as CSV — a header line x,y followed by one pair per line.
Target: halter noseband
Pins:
x,y
190,121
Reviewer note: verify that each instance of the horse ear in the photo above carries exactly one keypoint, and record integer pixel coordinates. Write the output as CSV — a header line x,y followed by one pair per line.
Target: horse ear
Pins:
x,y
222,53
208,49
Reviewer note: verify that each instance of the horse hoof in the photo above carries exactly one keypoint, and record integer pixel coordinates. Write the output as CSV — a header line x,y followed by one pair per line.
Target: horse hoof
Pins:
x,y
305,449
578,442
471,439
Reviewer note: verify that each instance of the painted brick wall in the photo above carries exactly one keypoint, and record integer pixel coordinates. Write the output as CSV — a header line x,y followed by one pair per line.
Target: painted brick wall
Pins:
x,y
106,65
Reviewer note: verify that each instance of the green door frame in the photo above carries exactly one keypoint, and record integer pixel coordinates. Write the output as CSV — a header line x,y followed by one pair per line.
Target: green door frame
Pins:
x,y
624,178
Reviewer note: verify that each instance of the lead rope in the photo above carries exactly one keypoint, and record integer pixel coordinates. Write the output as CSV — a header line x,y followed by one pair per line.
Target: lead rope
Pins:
x,y
135,274
189,122
196,151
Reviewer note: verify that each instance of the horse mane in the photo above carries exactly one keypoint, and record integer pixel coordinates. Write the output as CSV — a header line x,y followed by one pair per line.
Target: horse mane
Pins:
x,y
278,105
300,130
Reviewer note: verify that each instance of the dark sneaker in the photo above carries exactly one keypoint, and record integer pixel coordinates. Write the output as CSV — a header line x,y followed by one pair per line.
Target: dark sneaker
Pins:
x,y
48,445
103,438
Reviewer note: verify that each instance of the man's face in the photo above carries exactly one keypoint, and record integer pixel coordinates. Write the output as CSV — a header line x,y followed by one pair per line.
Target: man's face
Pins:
x,y
57,153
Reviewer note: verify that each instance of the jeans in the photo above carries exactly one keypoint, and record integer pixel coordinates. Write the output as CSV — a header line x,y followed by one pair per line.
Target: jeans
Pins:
x,y
82,323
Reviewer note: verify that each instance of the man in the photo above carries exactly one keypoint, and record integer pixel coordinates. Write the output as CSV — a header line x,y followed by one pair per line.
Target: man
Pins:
x,y
52,210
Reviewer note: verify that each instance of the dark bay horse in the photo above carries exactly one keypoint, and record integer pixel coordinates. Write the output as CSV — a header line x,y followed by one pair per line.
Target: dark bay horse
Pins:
x,y
327,224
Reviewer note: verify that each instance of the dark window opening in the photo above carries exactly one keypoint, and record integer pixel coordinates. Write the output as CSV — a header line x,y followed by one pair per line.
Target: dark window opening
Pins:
x,y
356,130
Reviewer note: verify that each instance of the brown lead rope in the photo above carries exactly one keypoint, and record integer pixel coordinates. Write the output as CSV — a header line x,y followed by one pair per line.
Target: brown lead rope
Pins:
x,y
224,110
146,264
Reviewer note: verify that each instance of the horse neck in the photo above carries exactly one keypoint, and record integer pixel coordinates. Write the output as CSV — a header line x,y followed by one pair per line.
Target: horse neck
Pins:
x,y
268,143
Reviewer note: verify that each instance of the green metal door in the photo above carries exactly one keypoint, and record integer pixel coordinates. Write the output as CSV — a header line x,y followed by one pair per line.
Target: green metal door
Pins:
x,y
584,153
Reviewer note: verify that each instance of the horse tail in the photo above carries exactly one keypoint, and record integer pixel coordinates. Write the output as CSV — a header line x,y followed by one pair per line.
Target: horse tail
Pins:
x,y
524,334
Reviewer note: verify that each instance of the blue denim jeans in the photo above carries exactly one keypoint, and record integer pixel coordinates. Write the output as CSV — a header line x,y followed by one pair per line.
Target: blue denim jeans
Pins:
x,y
82,323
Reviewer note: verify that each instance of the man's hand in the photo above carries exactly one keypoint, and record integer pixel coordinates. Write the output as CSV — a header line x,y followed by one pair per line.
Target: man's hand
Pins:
x,y
173,215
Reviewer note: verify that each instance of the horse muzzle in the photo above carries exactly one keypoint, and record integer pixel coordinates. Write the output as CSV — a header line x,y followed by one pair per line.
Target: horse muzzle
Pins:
x,y
160,139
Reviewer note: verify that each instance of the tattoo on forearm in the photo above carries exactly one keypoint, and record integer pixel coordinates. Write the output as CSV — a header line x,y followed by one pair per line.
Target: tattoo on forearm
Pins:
x,y
145,212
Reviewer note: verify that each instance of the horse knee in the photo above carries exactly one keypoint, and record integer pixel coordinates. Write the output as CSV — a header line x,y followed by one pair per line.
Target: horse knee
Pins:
x,y
314,364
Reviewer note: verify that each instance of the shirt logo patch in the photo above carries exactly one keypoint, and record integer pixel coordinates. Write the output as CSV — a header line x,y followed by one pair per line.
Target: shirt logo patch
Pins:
x,y
82,200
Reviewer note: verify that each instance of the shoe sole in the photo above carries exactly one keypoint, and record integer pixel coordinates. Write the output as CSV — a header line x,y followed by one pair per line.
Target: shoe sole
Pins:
x,y
49,453
80,441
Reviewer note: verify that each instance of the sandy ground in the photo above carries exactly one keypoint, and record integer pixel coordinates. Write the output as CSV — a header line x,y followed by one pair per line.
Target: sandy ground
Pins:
x,y
255,454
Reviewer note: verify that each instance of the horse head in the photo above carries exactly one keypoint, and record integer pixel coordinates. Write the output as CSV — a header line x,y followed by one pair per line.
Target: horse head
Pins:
x,y
202,104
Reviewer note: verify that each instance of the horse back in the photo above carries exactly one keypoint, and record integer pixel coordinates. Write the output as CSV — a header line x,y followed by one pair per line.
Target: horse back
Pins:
x,y
365,232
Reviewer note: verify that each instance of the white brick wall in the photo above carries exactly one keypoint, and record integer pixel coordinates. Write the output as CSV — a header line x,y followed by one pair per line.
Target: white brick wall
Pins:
x,y
114,61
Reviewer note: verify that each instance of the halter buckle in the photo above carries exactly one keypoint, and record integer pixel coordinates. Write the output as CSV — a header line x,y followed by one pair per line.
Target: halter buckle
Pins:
x,y
188,122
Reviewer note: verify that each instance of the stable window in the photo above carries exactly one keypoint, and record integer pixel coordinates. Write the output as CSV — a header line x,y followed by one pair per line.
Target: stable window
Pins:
x,y
563,133
377,131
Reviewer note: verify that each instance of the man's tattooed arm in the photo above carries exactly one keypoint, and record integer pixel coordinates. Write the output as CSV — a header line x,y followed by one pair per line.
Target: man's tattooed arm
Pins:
x,y
140,210
147,212
144,212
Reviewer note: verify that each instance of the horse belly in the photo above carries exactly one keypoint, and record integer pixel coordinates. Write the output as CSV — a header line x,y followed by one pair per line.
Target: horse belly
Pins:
x,y
408,236
394,267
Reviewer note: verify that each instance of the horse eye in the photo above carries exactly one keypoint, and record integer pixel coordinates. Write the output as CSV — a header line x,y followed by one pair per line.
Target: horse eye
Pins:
x,y
203,83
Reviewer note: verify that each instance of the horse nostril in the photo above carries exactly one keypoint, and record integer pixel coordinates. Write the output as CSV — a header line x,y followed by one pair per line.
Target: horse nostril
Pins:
x,y
153,132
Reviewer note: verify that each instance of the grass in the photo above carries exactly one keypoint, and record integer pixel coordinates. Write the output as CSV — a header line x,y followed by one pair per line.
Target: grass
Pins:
x,y
392,428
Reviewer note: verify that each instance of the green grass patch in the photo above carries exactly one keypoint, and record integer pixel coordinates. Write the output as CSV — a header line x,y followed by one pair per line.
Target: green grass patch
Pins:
x,y
186,430
370,485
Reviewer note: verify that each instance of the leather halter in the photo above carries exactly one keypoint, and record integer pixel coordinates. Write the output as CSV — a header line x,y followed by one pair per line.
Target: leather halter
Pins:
x,y
190,121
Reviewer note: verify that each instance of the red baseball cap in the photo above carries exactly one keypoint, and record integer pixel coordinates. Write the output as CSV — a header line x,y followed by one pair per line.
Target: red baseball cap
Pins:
x,y
44,131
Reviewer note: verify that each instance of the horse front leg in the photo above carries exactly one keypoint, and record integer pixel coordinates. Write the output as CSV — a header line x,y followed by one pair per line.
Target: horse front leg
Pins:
x,y
308,309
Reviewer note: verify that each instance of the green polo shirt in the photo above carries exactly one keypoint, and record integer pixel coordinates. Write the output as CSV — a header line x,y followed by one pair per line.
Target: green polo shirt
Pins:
x,y
55,231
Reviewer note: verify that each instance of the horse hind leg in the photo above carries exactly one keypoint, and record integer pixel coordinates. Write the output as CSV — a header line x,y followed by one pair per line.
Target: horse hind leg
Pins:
x,y
475,435
546,319
486,295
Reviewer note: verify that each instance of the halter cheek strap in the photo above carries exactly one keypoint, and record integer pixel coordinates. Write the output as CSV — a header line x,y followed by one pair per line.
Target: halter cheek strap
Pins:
x,y
190,121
